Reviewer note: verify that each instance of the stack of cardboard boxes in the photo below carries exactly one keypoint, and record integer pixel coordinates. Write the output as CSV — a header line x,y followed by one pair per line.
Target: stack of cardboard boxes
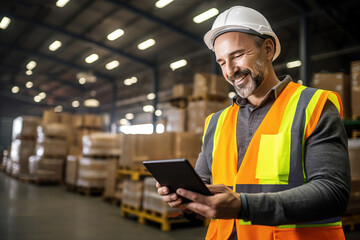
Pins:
x,y
355,89
23,144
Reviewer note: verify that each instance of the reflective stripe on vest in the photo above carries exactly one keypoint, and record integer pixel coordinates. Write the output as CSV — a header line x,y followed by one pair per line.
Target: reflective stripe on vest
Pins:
x,y
274,159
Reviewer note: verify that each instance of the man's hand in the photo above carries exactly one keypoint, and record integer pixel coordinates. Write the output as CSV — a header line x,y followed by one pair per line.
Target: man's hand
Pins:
x,y
172,199
224,204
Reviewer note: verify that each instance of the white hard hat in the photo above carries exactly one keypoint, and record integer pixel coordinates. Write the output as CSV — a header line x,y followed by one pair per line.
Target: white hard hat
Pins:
x,y
241,19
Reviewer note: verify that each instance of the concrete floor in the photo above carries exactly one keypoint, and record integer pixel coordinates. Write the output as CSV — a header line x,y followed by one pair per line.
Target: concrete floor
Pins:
x,y
32,212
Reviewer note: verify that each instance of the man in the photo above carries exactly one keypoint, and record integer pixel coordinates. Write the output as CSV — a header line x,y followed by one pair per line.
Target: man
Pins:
x,y
276,160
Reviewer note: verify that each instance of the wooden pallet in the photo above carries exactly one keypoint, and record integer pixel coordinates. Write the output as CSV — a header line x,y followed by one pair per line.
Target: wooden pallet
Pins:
x,y
89,191
153,216
134,173
351,221
38,181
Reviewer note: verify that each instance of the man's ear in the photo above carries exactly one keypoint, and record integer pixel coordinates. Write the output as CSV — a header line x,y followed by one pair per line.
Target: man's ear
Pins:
x,y
269,48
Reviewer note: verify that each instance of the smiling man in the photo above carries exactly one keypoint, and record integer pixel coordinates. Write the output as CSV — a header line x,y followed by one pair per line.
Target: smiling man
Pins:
x,y
276,160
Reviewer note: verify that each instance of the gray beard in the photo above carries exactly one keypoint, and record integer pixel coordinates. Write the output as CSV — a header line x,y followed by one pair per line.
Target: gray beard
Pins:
x,y
245,91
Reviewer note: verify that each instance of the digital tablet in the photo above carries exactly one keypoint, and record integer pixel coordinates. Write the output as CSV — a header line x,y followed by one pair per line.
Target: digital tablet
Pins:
x,y
177,173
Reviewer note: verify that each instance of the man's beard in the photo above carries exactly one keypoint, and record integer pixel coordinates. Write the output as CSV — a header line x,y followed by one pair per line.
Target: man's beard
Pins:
x,y
245,89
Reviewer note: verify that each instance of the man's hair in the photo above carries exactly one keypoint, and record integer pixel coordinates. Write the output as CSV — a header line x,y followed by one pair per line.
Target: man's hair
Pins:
x,y
258,40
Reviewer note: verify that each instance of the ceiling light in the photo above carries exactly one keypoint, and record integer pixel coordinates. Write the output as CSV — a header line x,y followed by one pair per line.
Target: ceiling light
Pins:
x,y
130,81
92,58
178,64
124,121
55,45
162,3
29,84
29,72
206,15
42,95
231,95
293,64
129,116
115,34
37,98
31,65
15,89
82,81
91,102
151,96
61,3
111,65
158,112
75,104
5,22
148,108
58,108
146,44
133,79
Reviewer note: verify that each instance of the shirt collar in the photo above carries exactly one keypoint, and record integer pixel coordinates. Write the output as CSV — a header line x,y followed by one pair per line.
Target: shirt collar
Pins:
x,y
275,91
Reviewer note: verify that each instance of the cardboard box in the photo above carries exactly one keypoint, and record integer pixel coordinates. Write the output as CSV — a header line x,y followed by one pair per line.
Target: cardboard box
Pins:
x,y
52,147
110,180
198,111
132,193
53,130
176,120
50,116
337,82
210,84
20,152
55,166
72,163
25,127
91,172
105,144
355,89
187,145
182,91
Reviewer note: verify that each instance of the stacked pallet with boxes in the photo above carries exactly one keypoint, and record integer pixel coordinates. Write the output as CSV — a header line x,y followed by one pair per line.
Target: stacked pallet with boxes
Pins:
x,y
23,145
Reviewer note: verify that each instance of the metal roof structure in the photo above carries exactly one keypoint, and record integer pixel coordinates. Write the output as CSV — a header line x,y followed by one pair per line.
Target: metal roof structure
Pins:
x,y
323,34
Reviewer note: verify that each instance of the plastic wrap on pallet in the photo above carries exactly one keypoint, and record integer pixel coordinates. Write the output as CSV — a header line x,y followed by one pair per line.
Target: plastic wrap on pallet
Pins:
x,y
110,179
37,165
52,147
71,169
152,200
21,150
25,127
53,130
132,193
101,144
91,172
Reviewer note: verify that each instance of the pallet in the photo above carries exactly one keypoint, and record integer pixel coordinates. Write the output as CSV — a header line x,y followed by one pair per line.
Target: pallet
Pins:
x,y
351,221
134,173
112,200
179,102
89,191
153,216
34,180
101,156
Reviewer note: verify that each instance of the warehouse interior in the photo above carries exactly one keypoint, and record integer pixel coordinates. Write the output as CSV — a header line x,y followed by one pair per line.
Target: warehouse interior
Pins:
x,y
91,88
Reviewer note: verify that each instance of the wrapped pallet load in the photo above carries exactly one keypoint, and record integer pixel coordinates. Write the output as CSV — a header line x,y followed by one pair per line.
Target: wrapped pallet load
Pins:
x,y
101,144
354,156
91,172
132,193
46,169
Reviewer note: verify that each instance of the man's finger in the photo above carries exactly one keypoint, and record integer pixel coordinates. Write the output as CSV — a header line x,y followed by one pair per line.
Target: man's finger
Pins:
x,y
193,196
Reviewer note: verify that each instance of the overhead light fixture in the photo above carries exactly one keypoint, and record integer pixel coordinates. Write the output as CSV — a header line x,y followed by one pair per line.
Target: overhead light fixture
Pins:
x,y
293,64
37,98
61,3
58,108
55,45
158,113
15,89
146,44
29,84
29,72
42,95
111,65
115,34
151,96
92,58
231,95
148,108
178,64
163,3
82,81
91,103
124,121
130,81
206,15
5,21
31,65
75,104
129,116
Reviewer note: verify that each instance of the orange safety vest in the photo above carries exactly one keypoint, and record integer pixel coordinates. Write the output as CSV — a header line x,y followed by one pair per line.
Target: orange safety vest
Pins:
x,y
273,162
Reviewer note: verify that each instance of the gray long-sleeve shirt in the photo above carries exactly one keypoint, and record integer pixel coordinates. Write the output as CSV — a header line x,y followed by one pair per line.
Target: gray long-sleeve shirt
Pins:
x,y
326,166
